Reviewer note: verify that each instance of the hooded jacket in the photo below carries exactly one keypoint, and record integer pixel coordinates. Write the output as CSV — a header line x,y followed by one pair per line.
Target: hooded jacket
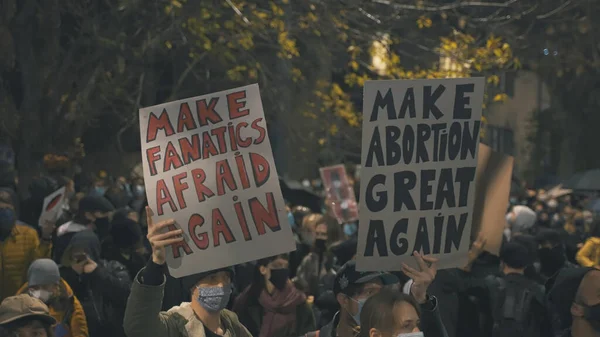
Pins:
x,y
144,318
103,293
68,311
16,254
589,254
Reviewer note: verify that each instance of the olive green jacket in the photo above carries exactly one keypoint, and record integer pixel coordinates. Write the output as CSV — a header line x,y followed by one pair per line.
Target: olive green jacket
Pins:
x,y
144,318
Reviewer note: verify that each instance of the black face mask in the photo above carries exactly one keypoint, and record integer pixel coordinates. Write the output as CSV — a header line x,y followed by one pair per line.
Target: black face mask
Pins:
x,y
551,259
280,277
320,245
7,222
592,315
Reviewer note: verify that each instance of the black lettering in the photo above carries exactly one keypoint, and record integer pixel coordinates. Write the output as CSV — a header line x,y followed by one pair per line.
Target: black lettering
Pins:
x,y
469,140
454,140
408,103
376,237
429,100
423,135
422,237
437,128
408,144
438,226
464,176
379,203
399,244
461,101
392,148
427,176
445,189
382,102
375,149
404,181
454,233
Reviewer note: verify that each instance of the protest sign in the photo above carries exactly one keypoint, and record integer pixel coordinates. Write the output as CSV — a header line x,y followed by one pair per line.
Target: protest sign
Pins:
x,y
492,181
53,206
208,164
340,194
419,156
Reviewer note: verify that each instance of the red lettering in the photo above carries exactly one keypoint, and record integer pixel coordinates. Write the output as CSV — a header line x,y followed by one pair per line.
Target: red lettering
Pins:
x,y
261,216
185,118
219,226
235,106
239,211
262,133
179,245
242,142
207,113
200,239
241,166
224,176
190,151
203,192
160,123
232,140
163,196
260,169
172,158
220,133
179,188
208,147
152,155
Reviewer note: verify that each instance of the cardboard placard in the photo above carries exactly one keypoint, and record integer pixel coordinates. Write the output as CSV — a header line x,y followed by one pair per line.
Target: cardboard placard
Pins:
x,y
53,206
340,194
419,157
208,164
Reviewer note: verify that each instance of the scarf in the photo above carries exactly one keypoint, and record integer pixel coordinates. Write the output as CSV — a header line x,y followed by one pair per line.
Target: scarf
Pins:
x,y
279,309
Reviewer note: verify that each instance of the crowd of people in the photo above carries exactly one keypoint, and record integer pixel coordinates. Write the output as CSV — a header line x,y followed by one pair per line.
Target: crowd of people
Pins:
x,y
100,270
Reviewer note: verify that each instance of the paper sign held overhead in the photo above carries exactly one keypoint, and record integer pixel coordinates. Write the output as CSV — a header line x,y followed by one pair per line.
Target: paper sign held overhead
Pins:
x,y
419,157
340,194
208,164
53,206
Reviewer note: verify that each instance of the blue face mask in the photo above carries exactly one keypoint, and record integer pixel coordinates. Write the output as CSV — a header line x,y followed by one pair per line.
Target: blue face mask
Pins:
x,y
7,222
361,304
291,219
139,190
100,190
350,228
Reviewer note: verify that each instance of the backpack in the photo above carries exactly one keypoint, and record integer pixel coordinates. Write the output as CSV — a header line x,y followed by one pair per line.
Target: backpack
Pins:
x,y
511,311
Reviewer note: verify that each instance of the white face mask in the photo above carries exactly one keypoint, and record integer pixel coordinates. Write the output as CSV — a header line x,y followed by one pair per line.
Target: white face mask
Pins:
x,y
41,294
412,334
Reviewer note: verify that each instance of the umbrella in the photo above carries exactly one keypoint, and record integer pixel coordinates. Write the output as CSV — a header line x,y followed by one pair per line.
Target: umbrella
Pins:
x,y
296,194
584,181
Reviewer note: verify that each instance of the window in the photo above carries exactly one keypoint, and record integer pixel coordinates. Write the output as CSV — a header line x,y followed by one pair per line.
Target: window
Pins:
x,y
500,139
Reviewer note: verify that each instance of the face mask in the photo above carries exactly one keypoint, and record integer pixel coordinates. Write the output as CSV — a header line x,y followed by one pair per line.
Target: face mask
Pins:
x,y
350,229
41,294
7,222
280,277
100,190
592,315
102,222
412,334
214,299
361,304
139,190
320,245
291,220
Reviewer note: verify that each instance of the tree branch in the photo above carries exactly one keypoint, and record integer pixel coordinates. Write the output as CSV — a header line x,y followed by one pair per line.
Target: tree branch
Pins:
x,y
452,6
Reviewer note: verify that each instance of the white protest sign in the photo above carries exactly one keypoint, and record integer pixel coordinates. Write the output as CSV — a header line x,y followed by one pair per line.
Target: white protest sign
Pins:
x,y
53,206
208,164
419,156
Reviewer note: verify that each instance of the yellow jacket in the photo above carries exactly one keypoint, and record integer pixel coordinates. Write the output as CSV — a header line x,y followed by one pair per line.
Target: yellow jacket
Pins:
x,y
77,323
589,254
16,254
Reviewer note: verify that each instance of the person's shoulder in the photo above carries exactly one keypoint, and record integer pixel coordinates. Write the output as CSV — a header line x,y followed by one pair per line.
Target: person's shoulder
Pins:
x,y
26,231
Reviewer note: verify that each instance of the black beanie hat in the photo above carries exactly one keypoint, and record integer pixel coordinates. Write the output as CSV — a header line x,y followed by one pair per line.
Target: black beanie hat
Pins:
x,y
190,281
125,233
515,255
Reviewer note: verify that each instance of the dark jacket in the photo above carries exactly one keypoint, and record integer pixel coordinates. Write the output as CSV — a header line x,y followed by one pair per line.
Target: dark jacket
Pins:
x,y
431,322
250,313
102,293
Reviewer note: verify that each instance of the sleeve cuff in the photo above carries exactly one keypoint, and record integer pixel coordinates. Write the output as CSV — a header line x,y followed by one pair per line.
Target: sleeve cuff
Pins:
x,y
431,303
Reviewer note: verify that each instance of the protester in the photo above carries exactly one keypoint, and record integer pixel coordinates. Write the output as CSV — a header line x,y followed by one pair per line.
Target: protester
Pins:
x,y
19,246
210,292
102,286
271,306
44,283
25,316
552,256
125,245
589,254
390,314
93,213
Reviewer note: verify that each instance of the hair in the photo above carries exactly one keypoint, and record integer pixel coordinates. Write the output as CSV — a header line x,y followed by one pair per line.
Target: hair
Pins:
x,y
595,228
26,322
378,311
258,279
334,229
